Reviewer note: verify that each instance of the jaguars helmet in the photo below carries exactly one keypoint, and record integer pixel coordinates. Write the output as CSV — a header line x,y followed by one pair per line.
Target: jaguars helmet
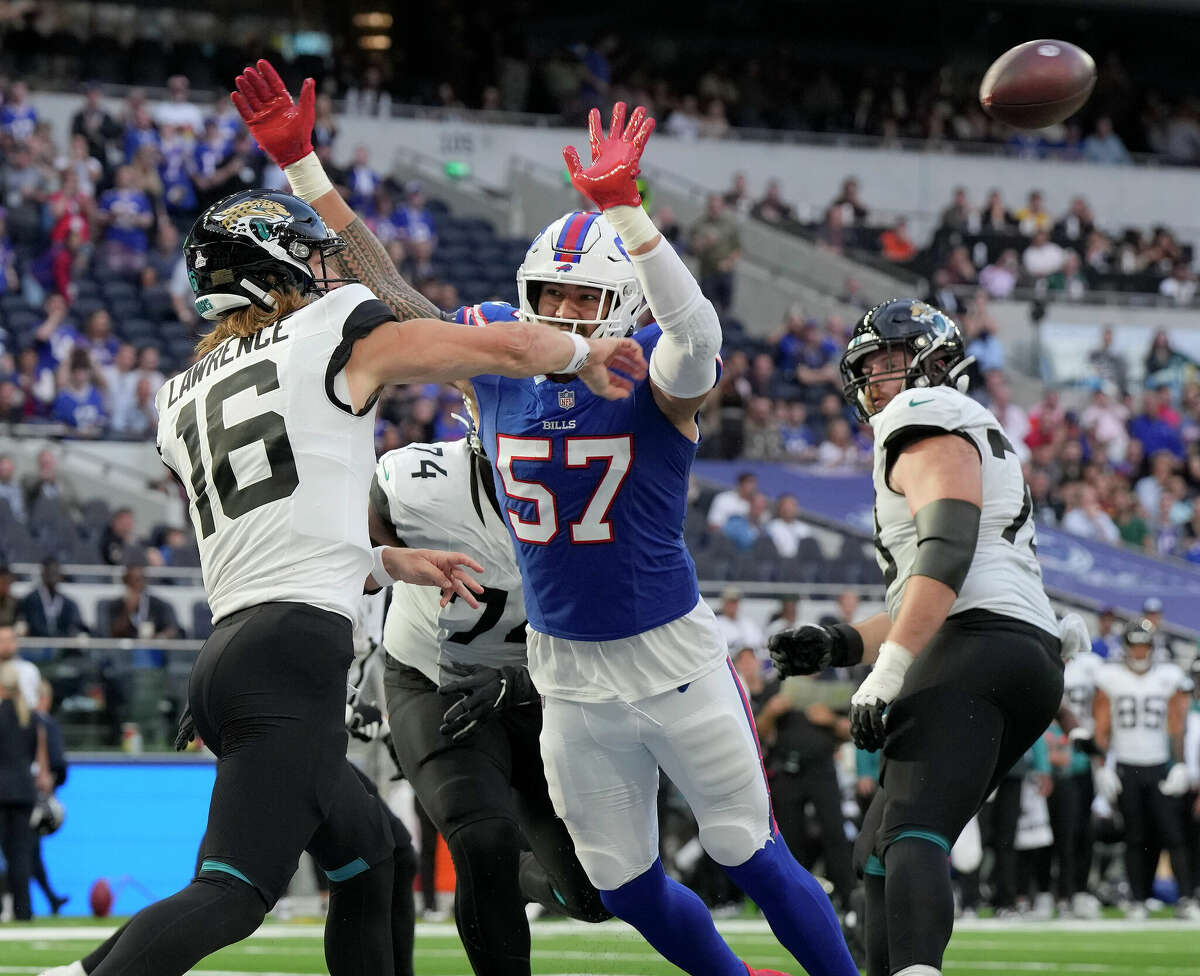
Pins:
x,y
1140,634
581,248
935,352
250,242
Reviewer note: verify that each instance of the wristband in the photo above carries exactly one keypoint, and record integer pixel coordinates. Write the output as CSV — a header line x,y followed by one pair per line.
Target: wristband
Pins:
x,y
380,576
582,351
308,178
632,224
847,646
894,660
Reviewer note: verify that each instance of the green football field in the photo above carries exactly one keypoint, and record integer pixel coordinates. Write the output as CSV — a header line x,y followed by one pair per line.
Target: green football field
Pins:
x,y
983,948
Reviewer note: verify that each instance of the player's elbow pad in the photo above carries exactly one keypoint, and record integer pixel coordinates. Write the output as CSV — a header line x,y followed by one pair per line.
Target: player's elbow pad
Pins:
x,y
947,531
684,362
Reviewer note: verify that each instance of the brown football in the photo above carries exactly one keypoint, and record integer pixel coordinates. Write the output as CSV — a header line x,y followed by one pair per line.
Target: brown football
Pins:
x,y
1038,83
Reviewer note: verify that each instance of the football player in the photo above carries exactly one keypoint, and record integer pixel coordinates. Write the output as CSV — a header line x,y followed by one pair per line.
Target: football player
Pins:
x,y
470,749
1141,709
967,654
272,434
627,654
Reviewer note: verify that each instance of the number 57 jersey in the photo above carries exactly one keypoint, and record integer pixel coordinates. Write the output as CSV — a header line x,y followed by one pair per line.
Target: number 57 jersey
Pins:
x,y
440,496
276,464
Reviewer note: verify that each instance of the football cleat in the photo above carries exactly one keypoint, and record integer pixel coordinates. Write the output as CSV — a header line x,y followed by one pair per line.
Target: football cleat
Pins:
x,y
762,972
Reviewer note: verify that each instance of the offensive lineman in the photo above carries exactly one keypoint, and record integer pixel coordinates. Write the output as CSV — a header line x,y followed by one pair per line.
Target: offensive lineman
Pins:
x,y
967,653
622,647
1141,708
470,750
272,433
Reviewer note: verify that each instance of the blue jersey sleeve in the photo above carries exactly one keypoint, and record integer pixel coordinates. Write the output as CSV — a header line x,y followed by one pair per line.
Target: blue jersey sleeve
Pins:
x,y
486,313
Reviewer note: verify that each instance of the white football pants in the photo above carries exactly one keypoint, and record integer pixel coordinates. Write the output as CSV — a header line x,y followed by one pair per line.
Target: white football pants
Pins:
x,y
602,761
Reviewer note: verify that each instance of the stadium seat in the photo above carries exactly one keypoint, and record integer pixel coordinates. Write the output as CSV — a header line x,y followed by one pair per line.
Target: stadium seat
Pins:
x,y
136,330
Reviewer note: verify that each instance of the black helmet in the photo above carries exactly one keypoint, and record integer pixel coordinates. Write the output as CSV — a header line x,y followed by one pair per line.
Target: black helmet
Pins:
x,y
250,242
933,345
1140,634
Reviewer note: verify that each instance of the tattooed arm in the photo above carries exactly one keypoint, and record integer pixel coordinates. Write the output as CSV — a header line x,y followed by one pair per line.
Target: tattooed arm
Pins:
x,y
366,260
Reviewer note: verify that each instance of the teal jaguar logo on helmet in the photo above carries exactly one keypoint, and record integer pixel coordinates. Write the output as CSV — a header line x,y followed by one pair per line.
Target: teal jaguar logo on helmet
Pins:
x,y
935,318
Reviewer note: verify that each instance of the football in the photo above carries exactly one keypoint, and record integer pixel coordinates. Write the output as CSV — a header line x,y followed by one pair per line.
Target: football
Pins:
x,y
101,898
1038,83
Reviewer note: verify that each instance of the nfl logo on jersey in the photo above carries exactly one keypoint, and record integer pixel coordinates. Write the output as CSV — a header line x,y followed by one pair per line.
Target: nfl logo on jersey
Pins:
x,y
566,399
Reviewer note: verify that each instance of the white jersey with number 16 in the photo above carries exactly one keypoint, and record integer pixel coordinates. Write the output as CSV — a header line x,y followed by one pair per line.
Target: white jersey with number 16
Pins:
x,y
276,465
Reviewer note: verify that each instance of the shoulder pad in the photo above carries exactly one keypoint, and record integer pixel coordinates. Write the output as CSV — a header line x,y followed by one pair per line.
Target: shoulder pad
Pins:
x,y
485,313
936,406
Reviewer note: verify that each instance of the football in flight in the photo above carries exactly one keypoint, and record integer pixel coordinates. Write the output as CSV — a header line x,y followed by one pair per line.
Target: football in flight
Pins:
x,y
1037,84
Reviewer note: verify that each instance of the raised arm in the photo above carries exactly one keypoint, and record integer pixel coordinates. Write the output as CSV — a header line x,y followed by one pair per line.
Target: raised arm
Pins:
x,y
683,366
284,130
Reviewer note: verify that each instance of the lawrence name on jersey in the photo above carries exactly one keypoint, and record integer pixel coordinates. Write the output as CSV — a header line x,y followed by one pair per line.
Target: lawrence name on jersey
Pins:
x,y
966,656
629,658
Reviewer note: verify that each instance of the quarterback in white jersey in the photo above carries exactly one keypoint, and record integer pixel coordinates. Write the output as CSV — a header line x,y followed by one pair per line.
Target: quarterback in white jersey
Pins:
x,y
1140,711
967,670
463,713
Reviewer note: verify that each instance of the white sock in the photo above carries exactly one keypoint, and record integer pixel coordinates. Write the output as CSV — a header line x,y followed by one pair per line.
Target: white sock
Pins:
x,y
919,970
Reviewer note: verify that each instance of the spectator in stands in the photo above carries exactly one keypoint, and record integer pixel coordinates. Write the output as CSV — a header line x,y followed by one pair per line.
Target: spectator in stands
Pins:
x,y
941,292
716,243
1033,217
789,340
98,341
788,615
1131,520
1180,287
762,435
763,380
79,404
1013,419
57,336
1069,280
178,111
995,216
1151,488
18,117
47,611
363,181
120,380
799,443
981,331
1157,426
137,416
772,209
416,228
10,280
1084,516
1107,364
147,366
369,97
1103,145
1163,356
10,490
1042,257
46,484
1105,419
118,543
140,132
36,384
127,214
847,202
840,452
1182,138
818,358
138,613
714,124
27,186
1000,277
895,243
957,216
738,629
94,123
10,606
684,120
737,197
733,501
745,530
785,529
1078,223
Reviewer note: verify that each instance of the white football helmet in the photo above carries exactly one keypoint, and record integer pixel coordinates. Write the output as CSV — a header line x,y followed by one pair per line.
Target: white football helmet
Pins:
x,y
581,248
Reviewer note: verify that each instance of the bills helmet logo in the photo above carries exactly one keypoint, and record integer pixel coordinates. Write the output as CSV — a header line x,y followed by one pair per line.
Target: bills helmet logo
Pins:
x,y
566,399
563,267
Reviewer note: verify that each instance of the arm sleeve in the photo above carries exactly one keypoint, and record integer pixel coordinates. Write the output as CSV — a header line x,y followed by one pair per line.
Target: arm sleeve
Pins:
x,y
363,313
684,361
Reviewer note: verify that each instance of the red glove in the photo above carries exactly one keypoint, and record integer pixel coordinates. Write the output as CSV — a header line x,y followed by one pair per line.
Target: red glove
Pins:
x,y
282,128
611,180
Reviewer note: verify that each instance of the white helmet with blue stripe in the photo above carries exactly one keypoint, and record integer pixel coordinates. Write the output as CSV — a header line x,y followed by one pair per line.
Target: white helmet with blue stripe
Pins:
x,y
581,248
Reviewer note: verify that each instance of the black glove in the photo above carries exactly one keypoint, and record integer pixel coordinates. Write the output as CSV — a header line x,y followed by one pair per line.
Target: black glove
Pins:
x,y
187,729
867,728
482,691
1084,741
801,650
363,721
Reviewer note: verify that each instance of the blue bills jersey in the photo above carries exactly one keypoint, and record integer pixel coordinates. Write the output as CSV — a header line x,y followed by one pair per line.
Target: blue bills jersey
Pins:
x,y
594,492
